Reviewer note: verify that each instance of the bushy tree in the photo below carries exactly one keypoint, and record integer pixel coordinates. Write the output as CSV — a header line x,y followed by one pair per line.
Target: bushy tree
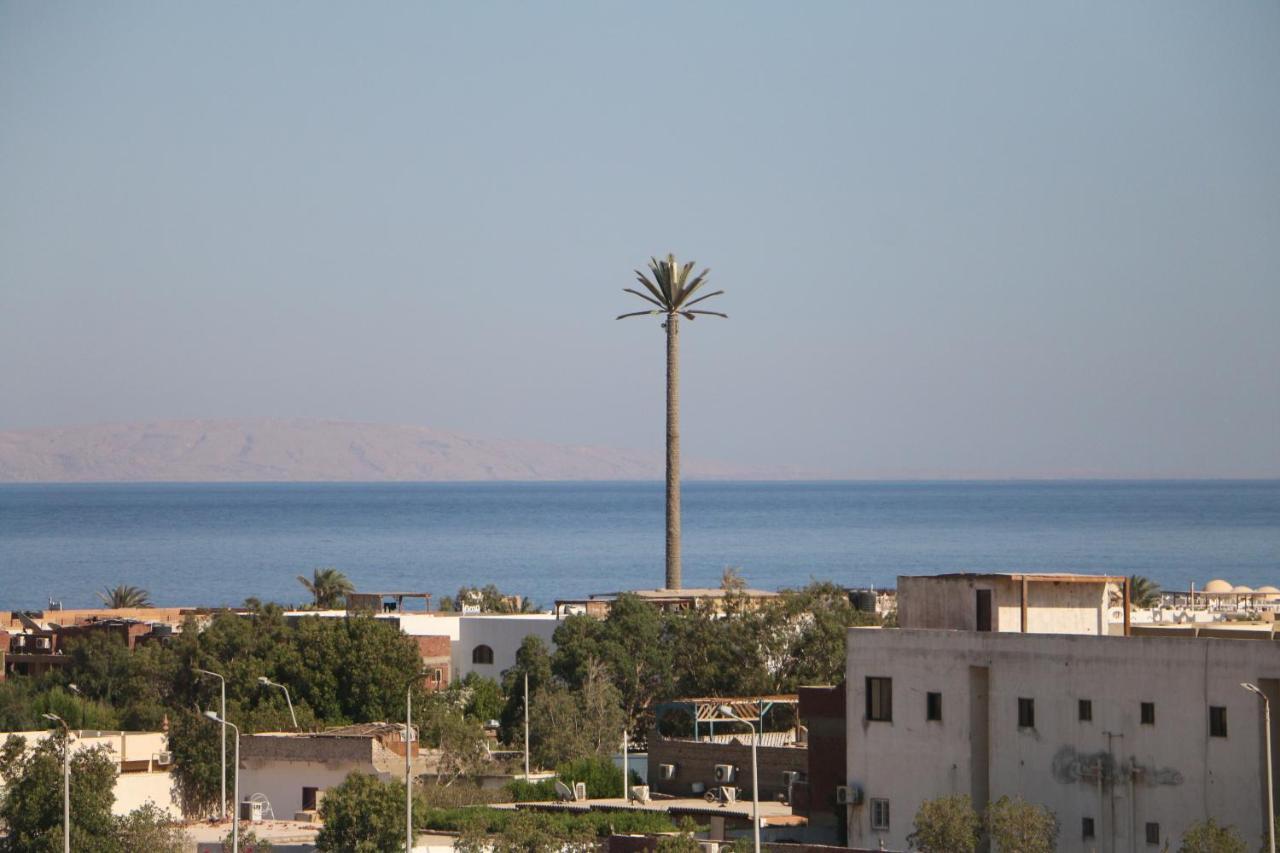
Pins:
x,y
566,724
362,815
683,841
1017,826
946,825
1208,836
31,798
149,828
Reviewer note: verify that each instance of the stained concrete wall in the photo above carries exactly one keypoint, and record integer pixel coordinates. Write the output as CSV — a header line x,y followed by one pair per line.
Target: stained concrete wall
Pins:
x,y
695,761
1179,773
950,603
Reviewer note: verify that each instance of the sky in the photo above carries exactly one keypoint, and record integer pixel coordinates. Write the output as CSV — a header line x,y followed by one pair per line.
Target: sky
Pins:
x,y
958,240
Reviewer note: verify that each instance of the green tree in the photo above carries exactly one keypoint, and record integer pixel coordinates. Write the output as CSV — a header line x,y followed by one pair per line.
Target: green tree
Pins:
x,y
481,698
31,798
946,825
671,292
362,815
149,828
125,596
683,841
534,659
328,587
566,724
1017,826
195,742
1144,593
1208,836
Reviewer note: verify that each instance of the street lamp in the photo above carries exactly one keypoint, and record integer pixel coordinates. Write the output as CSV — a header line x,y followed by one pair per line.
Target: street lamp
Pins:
x,y
1271,803
223,712
408,762
66,782
235,784
726,711
267,682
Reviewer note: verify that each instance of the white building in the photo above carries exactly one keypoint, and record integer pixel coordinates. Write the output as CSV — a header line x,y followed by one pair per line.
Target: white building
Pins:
x,y
142,765
1029,603
1127,739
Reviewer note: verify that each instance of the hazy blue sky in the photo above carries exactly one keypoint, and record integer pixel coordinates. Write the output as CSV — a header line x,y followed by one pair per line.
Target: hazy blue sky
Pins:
x,y
982,238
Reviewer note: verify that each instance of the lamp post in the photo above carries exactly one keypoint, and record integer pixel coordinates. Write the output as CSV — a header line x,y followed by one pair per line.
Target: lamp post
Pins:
x,y
726,711
223,712
626,775
1271,803
66,782
235,784
408,762
267,682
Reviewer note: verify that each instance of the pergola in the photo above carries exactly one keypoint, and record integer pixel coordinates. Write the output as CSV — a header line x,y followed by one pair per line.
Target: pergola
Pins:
x,y
709,710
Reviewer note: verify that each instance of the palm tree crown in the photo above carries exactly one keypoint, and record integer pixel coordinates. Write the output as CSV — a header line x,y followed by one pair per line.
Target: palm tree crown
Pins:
x,y
124,596
670,291
327,586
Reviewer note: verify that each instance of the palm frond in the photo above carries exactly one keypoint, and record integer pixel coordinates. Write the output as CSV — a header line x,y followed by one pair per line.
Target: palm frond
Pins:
x,y
650,286
645,298
712,313
693,302
638,314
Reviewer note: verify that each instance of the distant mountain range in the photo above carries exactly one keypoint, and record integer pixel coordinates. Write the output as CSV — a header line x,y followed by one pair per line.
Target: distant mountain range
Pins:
x,y
299,450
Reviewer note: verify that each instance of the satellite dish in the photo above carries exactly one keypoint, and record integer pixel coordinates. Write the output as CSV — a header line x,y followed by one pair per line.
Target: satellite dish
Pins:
x,y
563,791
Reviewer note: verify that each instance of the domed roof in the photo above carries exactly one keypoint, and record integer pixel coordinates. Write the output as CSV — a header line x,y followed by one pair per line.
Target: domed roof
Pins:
x,y
1217,585
1243,589
1267,588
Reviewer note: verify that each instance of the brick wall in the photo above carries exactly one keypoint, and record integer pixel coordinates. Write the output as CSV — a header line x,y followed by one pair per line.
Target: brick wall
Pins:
x,y
695,761
435,652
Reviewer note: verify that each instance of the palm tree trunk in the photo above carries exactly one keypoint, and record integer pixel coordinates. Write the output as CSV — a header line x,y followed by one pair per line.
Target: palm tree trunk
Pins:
x,y
673,452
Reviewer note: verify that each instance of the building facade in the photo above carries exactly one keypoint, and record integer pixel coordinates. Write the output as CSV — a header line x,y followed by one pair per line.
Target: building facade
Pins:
x,y
1127,739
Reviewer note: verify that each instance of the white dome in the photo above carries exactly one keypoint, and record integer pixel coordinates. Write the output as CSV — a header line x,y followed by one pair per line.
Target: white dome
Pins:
x,y
1217,585
1243,590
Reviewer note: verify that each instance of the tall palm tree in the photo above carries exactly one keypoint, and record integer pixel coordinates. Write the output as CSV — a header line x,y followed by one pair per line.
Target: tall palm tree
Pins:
x,y
670,290
328,587
1144,593
124,596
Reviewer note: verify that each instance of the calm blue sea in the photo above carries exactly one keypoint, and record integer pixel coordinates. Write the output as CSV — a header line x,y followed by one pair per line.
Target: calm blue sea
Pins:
x,y
215,544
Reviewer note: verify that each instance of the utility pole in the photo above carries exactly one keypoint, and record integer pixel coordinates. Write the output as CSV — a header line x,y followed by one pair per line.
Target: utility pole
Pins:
x,y
526,725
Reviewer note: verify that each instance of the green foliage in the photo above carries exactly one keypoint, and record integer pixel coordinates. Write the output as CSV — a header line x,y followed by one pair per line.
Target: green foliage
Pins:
x,y
532,658
1208,836
946,825
149,828
31,800
683,841
1144,593
249,842
482,697
124,596
523,827
1017,826
489,599
328,587
362,815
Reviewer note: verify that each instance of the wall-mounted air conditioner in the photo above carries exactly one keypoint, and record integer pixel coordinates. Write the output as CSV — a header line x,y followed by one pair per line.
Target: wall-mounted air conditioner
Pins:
x,y
849,795
724,773
666,772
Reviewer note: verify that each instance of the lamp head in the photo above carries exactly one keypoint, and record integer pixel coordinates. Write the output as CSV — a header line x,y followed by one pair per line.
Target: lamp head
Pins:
x,y
74,689
213,715
726,711
1252,688
53,718
262,679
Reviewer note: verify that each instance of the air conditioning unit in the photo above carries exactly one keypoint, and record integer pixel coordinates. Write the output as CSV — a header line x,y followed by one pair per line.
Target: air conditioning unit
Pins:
x,y
251,810
728,794
164,759
849,795
640,793
579,790
724,773
666,772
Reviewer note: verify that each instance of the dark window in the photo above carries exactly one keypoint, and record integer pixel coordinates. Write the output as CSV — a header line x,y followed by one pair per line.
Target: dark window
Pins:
x,y
1086,829
1086,710
880,815
984,610
880,699
1217,721
1026,713
1153,833
933,706
1148,713
482,654
309,798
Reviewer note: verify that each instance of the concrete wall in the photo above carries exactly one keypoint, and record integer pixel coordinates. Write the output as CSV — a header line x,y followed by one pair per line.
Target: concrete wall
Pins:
x,y
695,761
950,603
1179,773
822,712
502,633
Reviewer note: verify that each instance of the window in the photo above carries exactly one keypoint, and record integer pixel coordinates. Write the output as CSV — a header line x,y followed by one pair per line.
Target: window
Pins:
x,y
1026,713
482,654
1153,833
1086,829
1148,713
1217,721
933,706
880,699
880,815
1086,710
309,798
984,610
438,676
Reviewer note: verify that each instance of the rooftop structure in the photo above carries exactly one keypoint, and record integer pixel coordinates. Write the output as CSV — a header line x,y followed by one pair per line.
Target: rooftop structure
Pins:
x,y
386,602
1029,603
667,599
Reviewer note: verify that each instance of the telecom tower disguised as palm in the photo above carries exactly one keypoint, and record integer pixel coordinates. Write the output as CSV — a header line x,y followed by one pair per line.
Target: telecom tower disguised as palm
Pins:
x,y
671,292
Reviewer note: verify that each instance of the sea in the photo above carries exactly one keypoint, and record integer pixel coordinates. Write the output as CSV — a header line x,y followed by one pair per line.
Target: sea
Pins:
x,y
214,544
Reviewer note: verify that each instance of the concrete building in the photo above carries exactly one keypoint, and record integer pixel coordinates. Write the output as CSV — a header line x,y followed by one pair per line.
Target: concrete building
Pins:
x,y
1029,603
142,765
1127,739
292,770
